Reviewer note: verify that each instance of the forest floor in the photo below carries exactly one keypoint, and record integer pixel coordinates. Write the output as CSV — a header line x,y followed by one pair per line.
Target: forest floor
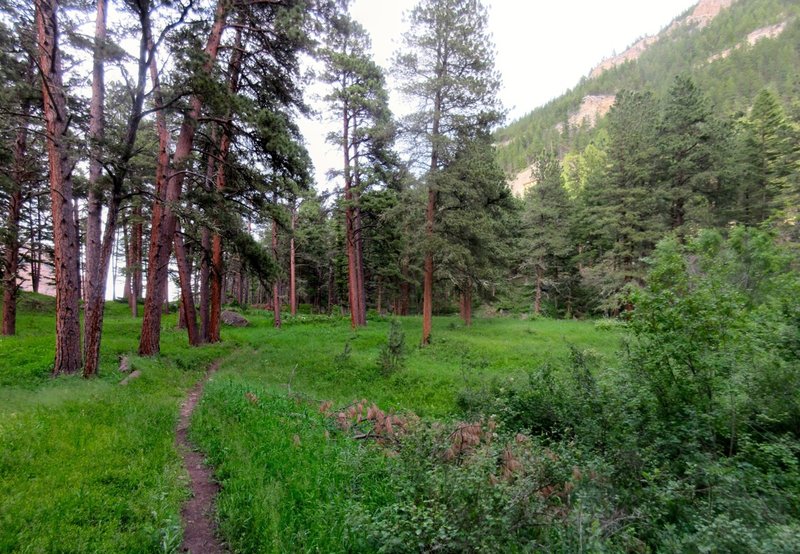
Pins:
x,y
95,467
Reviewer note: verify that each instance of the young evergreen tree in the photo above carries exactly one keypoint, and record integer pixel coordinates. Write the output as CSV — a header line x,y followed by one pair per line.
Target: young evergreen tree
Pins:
x,y
447,66
687,143
767,156
547,237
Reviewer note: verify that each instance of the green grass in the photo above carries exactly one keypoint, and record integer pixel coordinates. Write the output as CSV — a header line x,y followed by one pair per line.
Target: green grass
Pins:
x,y
309,355
287,486
92,466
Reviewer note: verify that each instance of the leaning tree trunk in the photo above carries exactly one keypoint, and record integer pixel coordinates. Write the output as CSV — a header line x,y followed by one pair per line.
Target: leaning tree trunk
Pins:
x,y
65,235
170,178
187,298
96,299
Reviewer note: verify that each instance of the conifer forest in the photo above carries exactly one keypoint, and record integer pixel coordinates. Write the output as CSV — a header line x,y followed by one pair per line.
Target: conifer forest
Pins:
x,y
572,330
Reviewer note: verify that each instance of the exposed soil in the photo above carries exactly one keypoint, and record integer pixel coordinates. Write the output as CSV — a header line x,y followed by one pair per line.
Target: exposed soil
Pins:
x,y
199,530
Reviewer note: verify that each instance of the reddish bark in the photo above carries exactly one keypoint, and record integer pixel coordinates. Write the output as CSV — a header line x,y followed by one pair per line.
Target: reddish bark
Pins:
x,y
95,303
169,179
217,267
466,304
292,267
65,235
276,290
187,298
12,242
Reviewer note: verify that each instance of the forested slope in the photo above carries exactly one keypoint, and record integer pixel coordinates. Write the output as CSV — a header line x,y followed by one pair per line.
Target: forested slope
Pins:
x,y
718,56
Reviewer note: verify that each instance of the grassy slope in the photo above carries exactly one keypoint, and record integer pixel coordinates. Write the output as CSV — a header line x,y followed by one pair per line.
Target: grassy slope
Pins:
x,y
289,480
91,466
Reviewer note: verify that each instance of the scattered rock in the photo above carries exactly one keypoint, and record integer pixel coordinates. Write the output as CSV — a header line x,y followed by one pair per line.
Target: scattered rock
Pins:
x,y
124,364
234,319
135,375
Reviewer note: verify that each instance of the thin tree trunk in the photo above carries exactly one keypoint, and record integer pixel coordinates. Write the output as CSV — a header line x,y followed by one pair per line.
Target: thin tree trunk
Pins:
x,y
65,235
126,248
136,259
379,302
537,302
430,214
36,247
276,291
292,266
466,304
12,242
205,283
170,181
187,297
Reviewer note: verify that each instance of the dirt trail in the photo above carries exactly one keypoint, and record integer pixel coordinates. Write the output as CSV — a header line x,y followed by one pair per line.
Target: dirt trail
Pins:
x,y
199,530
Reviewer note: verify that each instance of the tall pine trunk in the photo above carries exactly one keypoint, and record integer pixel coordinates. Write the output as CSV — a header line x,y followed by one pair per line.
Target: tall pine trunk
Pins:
x,y
169,179
65,234
217,267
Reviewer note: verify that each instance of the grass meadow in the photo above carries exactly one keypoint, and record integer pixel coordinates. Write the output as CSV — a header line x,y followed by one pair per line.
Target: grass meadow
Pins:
x,y
92,466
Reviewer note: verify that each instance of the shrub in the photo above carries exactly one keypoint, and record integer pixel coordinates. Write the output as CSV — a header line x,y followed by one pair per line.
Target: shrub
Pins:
x,y
392,355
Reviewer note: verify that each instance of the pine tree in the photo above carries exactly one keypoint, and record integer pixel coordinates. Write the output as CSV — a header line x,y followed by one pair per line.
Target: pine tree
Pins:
x,y
687,143
358,96
767,154
547,236
447,66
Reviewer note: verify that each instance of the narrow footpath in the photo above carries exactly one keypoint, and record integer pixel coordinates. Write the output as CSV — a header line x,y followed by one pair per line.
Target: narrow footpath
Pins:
x,y
199,529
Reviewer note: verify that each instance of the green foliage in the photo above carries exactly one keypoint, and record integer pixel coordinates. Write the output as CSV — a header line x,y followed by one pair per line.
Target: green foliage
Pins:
x,y
392,355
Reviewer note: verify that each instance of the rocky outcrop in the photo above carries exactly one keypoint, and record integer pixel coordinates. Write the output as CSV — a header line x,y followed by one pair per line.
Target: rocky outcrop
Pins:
x,y
632,53
592,108
703,13
233,319
522,181
706,10
772,31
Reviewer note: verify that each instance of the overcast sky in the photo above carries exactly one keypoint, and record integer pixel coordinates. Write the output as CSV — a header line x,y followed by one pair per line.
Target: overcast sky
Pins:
x,y
543,48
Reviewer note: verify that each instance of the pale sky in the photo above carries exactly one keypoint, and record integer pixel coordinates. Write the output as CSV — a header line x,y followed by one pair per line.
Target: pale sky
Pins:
x,y
543,49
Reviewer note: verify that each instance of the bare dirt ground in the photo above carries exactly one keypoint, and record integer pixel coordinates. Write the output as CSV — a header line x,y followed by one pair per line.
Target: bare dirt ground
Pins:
x,y
199,534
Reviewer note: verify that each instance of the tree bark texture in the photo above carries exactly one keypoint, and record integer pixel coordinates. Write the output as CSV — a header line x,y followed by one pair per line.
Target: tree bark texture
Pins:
x,y
276,287
65,234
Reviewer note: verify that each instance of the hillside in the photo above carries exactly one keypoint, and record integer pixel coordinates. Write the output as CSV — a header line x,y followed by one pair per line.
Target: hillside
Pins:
x,y
731,48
